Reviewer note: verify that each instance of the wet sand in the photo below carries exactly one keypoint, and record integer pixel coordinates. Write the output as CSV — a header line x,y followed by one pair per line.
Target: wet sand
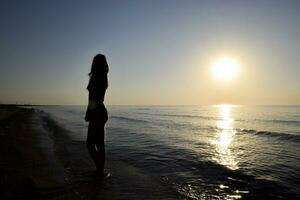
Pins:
x,y
39,161
25,173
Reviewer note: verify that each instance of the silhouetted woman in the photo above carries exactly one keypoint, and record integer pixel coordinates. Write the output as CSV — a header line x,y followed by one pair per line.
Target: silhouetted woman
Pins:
x,y
96,113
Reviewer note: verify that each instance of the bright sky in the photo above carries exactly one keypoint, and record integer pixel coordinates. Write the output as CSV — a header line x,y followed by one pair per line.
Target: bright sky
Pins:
x,y
160,52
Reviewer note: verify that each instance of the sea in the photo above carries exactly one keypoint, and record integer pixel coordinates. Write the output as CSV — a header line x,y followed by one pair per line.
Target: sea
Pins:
x,y
200,152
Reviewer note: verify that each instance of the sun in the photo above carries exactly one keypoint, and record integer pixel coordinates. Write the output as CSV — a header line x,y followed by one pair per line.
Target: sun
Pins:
x,y
225,68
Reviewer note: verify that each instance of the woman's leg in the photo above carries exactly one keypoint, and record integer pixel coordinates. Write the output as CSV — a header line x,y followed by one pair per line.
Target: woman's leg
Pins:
x,y
90,141
95,144
100,147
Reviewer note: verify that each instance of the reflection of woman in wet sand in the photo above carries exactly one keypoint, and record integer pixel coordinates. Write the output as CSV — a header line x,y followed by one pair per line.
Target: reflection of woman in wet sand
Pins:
x,y
96,113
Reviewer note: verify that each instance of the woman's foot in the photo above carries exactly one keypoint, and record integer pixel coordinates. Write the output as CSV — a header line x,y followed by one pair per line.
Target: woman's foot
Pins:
x,y
102,174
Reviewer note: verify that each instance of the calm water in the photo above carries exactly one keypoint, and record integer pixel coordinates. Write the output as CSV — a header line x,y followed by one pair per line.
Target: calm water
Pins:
x,y
204,152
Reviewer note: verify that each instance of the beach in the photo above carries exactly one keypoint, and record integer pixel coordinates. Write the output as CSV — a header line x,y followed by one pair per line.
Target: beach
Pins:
x,y
167,152
25,171
39,161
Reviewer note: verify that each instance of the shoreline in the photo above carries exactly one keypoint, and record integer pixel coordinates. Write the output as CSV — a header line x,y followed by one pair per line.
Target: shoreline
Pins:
x,y
57,167
126,181
26,171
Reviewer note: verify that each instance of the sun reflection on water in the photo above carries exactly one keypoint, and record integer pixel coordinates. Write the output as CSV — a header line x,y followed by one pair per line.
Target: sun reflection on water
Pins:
x,y
224,138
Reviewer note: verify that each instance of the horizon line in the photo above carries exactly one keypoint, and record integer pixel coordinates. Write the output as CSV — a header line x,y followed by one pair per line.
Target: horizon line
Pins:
x,y
26,104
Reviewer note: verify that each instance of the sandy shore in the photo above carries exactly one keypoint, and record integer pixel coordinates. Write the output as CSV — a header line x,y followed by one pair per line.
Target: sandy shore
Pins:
x,y
25,172
39,161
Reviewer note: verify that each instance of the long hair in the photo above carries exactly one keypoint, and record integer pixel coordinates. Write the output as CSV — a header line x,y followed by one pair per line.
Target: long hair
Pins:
x,y
98,74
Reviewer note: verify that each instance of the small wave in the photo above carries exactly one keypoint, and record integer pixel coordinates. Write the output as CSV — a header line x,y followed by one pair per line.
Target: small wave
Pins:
x,y
286,121
187,116
279,121
143,108
71,111
52,125
284,136
128,119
